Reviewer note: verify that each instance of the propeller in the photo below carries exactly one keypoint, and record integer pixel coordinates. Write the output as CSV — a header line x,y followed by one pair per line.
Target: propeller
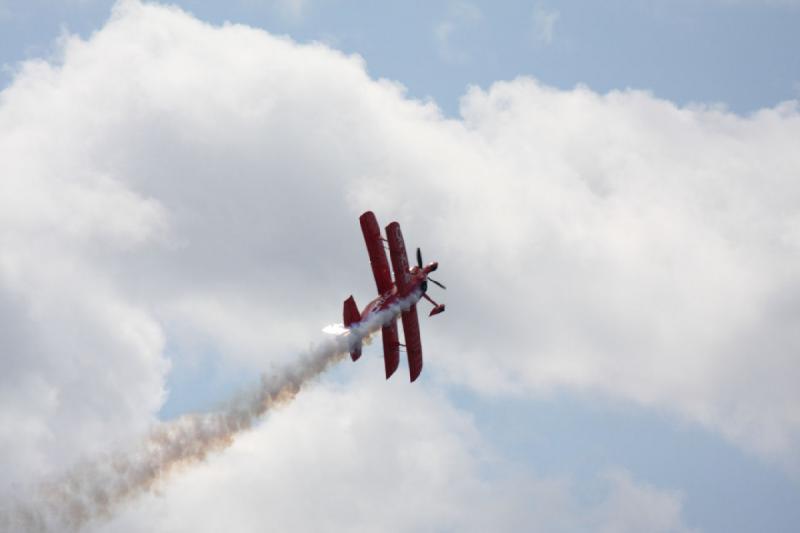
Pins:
x,y
419,264
436,282
437,308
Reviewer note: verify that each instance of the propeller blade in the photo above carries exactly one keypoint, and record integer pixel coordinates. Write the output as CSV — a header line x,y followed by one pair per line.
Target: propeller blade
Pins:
x,y
419,258
436,282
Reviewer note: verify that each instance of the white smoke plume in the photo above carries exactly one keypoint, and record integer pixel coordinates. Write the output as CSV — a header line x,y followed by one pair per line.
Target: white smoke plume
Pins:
x,y
94,489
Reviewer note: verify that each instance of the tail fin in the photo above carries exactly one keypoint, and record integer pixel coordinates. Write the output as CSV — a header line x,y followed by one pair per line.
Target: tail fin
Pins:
x,y
352,316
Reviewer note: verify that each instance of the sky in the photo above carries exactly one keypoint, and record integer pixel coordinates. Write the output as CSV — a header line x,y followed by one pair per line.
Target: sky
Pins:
x,y
610,190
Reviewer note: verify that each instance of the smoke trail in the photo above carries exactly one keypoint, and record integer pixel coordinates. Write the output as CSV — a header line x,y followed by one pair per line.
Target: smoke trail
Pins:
x,y
94,490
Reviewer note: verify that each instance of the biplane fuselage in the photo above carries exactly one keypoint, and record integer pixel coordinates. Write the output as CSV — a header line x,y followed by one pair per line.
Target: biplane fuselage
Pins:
x,y
418,283
407,281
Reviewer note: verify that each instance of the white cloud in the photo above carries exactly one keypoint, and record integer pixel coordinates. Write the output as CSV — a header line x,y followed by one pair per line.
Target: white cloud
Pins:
x,y
544,24
633,507
460,18
384,457
171,183
657,248
293,9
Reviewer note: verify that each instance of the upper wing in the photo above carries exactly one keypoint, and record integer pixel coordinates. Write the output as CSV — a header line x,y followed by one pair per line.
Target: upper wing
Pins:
x,y
377,255
413,342
397,250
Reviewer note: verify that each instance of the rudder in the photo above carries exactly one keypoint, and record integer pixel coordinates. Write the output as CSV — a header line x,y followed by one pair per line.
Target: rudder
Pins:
x,y
352,316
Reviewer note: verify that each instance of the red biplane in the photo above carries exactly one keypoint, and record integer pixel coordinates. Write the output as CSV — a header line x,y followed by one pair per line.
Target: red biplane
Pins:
x,y
407,281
